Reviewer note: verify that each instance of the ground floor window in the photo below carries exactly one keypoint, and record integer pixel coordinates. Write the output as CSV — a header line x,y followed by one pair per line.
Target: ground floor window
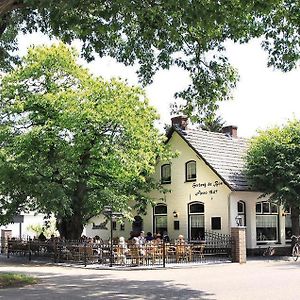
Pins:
x,y
196,221
266,222
160,219
288,225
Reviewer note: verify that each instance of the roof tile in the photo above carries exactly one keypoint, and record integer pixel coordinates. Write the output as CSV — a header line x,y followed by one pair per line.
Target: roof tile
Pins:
x,y
224,154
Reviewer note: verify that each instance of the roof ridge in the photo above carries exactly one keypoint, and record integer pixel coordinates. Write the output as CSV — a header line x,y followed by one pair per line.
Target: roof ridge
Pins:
x,y
221,134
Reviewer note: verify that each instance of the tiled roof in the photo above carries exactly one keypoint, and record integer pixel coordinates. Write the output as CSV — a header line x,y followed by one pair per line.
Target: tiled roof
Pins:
x,y
222,153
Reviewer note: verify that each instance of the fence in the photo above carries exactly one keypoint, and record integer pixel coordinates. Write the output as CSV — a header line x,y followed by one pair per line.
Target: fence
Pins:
x,y
215,248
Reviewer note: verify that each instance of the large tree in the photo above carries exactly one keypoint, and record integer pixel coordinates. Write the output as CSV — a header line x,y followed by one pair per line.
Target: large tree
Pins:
x,y
273,167
159,33
72,143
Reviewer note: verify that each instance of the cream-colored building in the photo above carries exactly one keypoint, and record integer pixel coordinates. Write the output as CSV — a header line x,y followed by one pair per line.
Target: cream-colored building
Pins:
x,y
208,192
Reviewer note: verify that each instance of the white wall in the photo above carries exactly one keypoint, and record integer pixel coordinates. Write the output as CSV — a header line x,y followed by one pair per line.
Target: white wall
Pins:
x,y
23,230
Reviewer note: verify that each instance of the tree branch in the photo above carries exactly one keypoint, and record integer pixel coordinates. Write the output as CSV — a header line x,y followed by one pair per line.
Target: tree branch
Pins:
x,y
10,5
3,23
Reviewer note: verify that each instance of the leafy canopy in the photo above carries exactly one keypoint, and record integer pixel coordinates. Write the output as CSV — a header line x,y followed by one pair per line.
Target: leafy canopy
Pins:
x,y
273,163
72,143
158,34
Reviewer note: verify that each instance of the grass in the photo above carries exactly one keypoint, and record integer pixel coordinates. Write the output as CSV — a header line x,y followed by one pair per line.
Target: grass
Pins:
x,y
15,280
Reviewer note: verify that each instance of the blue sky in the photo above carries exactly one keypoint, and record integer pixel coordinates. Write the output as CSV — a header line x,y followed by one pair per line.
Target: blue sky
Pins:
x,y
263,98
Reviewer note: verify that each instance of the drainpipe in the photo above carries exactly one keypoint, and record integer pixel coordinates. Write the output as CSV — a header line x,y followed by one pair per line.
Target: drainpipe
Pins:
x,y
229,212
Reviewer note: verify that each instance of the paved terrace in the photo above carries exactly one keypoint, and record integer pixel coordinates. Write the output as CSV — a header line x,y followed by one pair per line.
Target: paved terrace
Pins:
x,y
257,279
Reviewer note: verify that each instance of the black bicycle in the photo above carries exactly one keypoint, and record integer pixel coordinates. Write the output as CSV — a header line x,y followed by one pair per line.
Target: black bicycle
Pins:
x,y
270,251
296,247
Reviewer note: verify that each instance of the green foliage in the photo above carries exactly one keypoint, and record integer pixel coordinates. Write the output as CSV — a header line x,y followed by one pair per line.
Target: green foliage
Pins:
x,y
72,143
158,34
212,123
273,163
48,229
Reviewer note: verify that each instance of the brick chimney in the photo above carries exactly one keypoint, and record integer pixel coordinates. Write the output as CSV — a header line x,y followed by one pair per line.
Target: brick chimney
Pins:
x,y
180,121
230,130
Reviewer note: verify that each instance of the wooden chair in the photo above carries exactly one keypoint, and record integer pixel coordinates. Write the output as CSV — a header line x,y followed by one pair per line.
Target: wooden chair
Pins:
x,y
135,254
120,253
158,252
183,252
198,250
84,253
170,251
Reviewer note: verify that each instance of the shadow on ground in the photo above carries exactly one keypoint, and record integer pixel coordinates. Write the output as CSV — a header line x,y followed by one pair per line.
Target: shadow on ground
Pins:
x,y
99,287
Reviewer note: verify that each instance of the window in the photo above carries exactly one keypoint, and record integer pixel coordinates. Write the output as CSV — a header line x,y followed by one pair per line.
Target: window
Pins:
x,y
176,225
166,173
288,224
241,207
160,219
196,221
266,222
190,171
216,223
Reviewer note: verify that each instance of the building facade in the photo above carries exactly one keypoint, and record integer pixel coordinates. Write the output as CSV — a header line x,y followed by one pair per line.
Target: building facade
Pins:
x,y
208,191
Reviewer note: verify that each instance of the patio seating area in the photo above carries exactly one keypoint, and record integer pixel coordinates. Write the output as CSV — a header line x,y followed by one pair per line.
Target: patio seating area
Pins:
x,y
105,253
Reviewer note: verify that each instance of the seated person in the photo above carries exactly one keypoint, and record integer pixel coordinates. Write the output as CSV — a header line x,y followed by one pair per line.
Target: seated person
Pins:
x,y
121,250
180,240
137,244
158,239
141,238
166,237
149,237
122,245
42,237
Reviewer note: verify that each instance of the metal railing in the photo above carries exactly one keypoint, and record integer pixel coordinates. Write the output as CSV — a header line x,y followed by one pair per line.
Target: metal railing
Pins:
x,y
214,248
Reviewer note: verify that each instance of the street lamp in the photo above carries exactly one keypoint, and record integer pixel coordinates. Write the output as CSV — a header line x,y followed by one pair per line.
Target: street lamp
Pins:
x,y
238,220
109,213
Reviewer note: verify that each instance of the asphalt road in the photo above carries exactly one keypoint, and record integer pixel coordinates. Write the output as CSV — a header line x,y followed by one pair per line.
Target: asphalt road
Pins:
x,y
254,280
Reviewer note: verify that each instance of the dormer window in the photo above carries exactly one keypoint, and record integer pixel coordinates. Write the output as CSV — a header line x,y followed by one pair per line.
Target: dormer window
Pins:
x,y
190,171
166,173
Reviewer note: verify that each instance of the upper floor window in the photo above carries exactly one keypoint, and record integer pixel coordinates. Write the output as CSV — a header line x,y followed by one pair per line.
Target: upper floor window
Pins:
x,y
166,173
190,171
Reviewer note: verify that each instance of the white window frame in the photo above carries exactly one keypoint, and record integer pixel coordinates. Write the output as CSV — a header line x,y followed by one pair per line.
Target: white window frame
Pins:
x,y
267,211
190,170
160,215
242,213
163,170
196,214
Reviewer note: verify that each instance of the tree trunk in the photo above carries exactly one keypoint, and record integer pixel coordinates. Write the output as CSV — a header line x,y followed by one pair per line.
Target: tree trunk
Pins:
x,y
295,220
71,227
